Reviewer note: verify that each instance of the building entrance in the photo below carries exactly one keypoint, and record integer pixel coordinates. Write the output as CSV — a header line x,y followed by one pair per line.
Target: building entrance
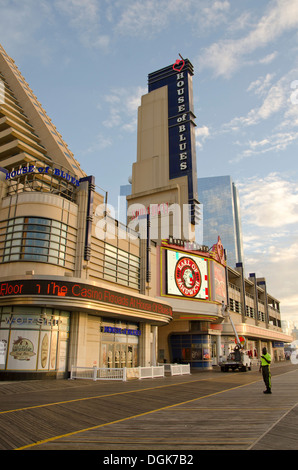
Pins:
x,y
115,355
119,344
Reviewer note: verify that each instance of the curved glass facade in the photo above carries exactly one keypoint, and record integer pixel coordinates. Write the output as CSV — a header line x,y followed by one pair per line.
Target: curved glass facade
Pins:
x,y
35,239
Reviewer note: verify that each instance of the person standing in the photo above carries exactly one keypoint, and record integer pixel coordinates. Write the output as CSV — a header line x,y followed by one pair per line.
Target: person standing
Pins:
x,y
265,368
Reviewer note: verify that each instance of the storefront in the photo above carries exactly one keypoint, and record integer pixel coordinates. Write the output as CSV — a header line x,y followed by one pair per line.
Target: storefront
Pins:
x,y
119,344
34,339
194,283
83,324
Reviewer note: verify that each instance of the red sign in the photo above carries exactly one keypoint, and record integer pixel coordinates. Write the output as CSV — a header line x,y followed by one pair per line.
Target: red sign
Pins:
x,y
57,288
241,339
179,64
188,277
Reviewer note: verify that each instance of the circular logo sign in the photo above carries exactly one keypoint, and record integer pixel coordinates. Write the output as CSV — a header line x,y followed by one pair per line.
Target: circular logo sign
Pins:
x,y
188,277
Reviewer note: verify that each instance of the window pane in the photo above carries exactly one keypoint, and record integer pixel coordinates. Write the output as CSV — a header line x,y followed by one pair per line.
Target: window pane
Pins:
x,y
34,257
36,242
34,236
37,228
37,220
55,223
53,253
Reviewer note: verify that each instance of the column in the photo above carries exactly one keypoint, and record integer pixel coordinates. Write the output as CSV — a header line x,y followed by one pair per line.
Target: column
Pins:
x,y
145,345
218,348
77,339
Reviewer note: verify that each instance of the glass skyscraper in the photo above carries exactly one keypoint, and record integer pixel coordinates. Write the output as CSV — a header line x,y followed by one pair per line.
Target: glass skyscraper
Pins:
x,y
220,210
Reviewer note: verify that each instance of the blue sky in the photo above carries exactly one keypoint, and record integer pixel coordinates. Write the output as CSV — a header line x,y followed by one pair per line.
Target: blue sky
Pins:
x,y
87,61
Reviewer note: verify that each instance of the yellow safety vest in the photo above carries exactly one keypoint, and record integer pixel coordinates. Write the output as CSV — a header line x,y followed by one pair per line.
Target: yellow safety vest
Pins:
x,y
263,359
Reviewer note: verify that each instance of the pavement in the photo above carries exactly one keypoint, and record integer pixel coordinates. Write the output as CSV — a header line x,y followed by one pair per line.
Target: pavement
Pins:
x,y
204,411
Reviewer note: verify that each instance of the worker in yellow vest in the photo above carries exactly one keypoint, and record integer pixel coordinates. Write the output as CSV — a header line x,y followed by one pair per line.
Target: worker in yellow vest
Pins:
x,y
265,368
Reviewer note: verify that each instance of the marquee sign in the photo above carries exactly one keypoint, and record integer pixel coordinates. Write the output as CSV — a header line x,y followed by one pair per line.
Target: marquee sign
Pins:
x,y
187,275
64,289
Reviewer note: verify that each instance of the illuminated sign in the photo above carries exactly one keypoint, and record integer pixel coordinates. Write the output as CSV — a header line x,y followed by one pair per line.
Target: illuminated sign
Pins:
x,y
121,331
187,275
25,170
188,245
219,286
42,287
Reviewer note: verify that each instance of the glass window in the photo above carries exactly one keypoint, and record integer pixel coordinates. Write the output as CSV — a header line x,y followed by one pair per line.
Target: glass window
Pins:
x,y
31,237
55,223
122,265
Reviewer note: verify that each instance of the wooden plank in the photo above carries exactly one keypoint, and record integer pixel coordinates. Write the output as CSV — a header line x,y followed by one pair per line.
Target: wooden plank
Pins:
x,y
202,411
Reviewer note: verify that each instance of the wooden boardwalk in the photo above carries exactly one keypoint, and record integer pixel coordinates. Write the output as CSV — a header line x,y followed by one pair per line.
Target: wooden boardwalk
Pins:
x,y
203,411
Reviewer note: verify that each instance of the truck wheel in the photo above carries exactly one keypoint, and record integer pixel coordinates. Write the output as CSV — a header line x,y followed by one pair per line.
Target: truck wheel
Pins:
x,y
243,369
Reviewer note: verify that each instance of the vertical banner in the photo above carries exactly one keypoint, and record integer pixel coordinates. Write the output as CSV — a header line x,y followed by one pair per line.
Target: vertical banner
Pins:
x,y
182,153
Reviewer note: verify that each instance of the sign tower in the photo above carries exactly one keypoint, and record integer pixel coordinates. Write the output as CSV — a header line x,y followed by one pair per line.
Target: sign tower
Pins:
x,y
165,175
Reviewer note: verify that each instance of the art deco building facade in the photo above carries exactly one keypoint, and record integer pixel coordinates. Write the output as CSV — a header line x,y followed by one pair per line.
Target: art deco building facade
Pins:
x,y
195,280
71,286
78,288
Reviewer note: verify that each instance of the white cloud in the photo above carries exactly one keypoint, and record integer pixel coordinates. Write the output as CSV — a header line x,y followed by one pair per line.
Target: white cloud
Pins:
x,y
145,17
270,202
268,58
261,85
227,55
275,100
122,104
278,141
274,104
101,142
84,17
149,17
269,209
202,133
21,27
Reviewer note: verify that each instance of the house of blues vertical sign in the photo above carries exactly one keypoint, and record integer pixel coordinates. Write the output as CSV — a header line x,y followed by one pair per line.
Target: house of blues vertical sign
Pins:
x,y
182,154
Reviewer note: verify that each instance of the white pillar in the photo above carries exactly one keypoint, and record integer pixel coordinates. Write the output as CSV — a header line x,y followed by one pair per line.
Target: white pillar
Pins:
x,y
154,345
145,345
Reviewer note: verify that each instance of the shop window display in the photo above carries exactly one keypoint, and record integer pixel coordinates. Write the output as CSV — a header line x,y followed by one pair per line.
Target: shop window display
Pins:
x,y
34,339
